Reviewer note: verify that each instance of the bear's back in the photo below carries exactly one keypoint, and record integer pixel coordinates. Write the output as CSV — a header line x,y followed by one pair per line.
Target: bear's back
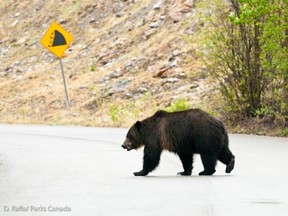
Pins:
x,y
188,130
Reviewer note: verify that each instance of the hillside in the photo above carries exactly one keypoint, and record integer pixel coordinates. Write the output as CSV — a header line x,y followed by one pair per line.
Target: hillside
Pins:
x,y
128,58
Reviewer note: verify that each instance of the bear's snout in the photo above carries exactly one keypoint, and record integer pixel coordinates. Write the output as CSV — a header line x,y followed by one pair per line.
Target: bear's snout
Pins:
x,y
127,145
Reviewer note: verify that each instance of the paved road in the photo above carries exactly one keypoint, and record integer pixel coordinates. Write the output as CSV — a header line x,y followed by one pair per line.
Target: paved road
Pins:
x,y
84,171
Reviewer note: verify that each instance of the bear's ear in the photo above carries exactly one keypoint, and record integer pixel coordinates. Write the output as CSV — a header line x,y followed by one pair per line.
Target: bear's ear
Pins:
x,y
138,125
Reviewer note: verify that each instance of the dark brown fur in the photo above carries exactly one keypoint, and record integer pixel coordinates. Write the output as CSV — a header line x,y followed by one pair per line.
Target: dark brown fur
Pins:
x,y
184,133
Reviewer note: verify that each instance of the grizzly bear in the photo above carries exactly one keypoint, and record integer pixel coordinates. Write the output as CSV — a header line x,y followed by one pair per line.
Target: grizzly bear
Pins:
x,y
184,133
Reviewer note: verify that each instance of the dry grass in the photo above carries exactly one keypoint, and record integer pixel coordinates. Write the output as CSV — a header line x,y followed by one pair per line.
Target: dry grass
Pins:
x,y
35,94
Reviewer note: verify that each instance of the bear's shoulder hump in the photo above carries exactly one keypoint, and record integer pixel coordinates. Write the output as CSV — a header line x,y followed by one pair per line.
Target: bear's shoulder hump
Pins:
x,y
160,113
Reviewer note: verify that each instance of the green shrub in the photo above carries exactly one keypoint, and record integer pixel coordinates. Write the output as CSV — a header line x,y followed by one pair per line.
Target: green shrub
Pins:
x,y
179,105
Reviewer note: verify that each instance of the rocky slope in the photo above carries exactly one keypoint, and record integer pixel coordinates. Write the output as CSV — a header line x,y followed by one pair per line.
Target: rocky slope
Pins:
x,y
128,59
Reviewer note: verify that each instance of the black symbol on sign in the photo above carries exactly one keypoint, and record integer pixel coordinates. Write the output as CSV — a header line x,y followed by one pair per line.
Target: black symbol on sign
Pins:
x,y
57,39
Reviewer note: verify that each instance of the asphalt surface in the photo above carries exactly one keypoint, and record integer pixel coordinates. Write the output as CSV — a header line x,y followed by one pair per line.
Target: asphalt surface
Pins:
x,y
78,171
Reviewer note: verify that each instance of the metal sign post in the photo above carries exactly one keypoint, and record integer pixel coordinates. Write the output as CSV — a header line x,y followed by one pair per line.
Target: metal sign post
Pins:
x,y
65,87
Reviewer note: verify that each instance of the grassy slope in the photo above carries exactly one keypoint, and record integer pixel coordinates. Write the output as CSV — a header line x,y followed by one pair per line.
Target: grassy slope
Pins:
x,y
32,91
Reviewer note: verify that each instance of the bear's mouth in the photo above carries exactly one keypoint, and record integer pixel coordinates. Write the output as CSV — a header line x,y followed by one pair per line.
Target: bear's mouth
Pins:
x,y
128,148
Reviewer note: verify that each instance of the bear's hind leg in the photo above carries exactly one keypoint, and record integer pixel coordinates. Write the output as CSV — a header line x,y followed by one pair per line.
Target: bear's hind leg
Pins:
x,y
187,162
209,163
227,158
230,166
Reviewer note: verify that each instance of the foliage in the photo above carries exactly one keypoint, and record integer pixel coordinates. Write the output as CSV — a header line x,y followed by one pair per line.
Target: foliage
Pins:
x,y
247,54
93,67
134,110
115,112
179,105
284,133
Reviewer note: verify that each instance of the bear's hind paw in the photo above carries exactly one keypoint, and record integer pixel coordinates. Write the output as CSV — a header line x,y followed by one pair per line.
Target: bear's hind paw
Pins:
x,y
230,166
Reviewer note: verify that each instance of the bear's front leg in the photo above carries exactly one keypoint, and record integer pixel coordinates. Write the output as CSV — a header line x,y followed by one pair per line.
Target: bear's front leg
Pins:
x,y
151,160
187,162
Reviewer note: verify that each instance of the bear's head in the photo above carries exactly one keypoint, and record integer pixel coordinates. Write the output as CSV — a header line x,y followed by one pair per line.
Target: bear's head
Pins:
x,y
134,138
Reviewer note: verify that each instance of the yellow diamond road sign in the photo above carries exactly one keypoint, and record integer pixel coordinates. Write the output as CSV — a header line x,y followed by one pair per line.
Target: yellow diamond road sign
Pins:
x,y
56,39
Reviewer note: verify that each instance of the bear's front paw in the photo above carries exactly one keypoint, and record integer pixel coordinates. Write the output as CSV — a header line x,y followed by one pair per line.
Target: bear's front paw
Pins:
x,y
141,173
185,173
